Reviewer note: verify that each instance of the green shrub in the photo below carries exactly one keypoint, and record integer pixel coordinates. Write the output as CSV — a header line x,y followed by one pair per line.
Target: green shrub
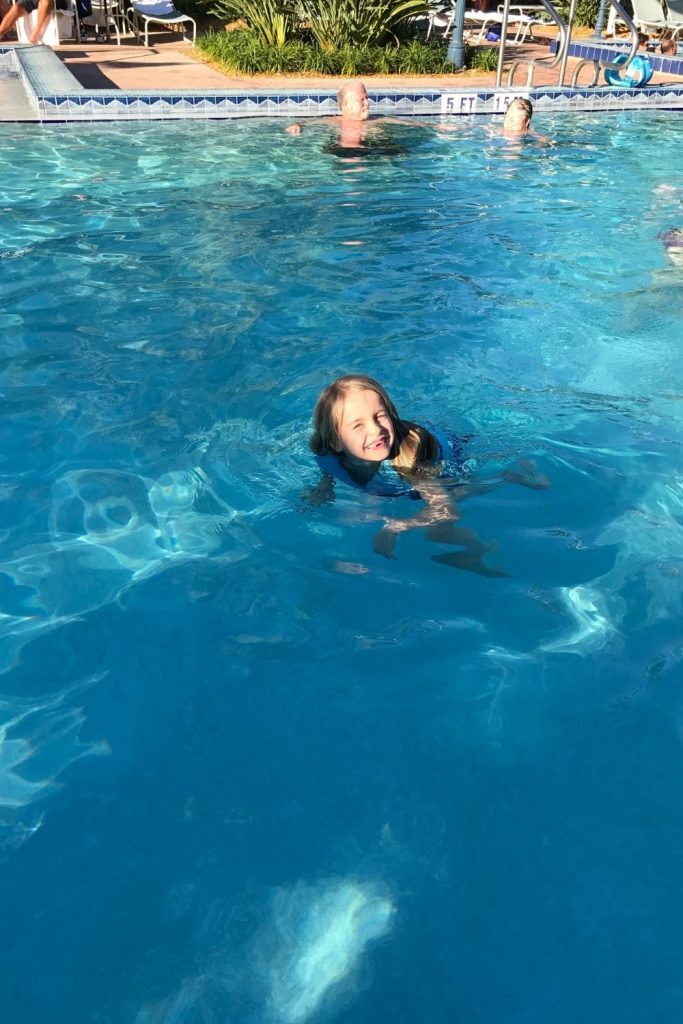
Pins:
x,y
244,52
247,53
481,58
335,24
419,58
586,12
272,21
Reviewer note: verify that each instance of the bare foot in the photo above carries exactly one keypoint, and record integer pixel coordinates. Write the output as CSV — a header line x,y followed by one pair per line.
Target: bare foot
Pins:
x,y
449,533
384,541
525,474
470,561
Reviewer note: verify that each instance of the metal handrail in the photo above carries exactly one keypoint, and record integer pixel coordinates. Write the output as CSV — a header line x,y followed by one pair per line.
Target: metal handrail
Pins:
x,y
564,33
561,55
565,48
598,64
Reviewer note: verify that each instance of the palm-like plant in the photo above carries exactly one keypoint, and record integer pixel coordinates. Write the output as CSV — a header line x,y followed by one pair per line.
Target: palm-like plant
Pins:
x,y
336,23
271,21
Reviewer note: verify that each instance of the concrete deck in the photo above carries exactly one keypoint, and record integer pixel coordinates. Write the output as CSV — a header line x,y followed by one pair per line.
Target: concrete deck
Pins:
x,y
173,64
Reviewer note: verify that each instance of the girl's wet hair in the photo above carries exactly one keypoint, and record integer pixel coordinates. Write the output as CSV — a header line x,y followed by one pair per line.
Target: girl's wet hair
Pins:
x,y
413,445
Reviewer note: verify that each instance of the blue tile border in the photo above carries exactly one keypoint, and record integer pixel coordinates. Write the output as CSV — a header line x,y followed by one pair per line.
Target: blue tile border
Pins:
x,y
57,96
606,50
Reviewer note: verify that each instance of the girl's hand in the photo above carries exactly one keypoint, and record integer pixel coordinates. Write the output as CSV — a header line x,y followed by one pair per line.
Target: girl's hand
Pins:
x,y
384,541
321,494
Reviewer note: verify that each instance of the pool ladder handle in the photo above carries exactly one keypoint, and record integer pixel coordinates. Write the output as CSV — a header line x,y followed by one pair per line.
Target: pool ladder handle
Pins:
x,y
562,53
600,65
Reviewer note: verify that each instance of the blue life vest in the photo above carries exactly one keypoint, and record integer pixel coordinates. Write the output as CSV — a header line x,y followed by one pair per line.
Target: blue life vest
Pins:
x,y
388,483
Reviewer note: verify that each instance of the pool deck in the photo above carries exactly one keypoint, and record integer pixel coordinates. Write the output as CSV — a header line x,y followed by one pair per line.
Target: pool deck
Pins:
x,y
171,65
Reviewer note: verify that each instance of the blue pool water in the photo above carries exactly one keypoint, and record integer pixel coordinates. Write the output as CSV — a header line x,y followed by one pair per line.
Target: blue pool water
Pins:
x,y
251,771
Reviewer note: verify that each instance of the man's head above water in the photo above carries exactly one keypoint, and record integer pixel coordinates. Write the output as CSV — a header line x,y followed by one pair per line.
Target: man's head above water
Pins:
x,y
353,101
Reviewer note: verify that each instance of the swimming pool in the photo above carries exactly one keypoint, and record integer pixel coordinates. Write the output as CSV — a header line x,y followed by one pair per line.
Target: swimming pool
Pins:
x,y
251,771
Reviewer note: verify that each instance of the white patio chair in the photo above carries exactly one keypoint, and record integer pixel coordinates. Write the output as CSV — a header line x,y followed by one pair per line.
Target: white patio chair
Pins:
x,y
674,18
647,15
160,12
440,20
518,22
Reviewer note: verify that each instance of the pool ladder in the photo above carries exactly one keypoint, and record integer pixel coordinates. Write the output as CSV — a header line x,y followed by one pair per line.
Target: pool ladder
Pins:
x,y
562,53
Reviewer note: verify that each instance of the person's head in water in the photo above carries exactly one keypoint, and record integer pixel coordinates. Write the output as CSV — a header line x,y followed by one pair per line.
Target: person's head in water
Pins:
x,y
668,47
355,419
518,116
673,243
353,101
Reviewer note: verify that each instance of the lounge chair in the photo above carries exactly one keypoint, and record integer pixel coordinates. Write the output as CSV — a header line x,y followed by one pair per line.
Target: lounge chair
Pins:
x,y
160,12
647,15
440,19
675,17
518,21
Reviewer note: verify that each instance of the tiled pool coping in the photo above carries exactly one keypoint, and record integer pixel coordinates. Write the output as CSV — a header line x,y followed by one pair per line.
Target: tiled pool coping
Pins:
x,y
606,50
55,95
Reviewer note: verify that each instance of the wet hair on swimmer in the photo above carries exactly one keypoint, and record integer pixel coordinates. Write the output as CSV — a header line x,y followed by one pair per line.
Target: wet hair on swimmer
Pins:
x,y
523,105
414,446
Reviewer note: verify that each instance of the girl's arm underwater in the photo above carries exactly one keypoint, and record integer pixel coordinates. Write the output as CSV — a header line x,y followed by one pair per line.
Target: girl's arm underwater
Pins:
x,y
321,494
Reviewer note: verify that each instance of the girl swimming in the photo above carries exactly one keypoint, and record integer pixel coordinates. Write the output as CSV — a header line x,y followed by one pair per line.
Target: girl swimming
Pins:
x,y
357,429
360,439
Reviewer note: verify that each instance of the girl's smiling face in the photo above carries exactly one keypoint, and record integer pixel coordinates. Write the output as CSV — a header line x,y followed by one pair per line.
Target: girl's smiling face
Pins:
x,y
365,429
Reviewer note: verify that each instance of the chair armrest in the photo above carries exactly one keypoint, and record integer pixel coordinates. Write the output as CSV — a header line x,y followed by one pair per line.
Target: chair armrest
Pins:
x,y
524,9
